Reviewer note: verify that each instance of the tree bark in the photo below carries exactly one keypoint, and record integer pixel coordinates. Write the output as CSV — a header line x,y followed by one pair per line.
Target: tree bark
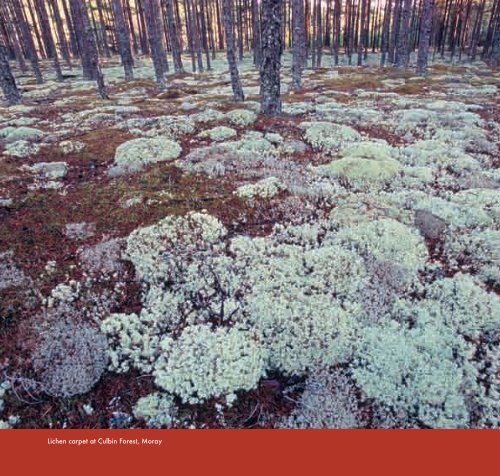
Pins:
x,y
298,43
7,81
231,51
123,37
271,56
425,34
155,43
403,40
174,37
28,42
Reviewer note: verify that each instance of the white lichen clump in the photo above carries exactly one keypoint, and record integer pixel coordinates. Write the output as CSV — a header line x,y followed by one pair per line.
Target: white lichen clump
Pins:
x,y
265,188
134,155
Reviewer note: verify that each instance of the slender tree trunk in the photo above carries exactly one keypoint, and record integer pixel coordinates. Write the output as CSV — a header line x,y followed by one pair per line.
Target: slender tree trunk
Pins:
x,y
476,33
174,37
49,40
403,40
123,37
396,21
16,41
155,43
231,50
28,42
337,30
7,81
271,57
425,34
385,32
298,43
256,34
88,48
204,37
63,44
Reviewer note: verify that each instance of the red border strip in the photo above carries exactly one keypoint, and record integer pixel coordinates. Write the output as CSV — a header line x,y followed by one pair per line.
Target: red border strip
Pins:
x,y
234,452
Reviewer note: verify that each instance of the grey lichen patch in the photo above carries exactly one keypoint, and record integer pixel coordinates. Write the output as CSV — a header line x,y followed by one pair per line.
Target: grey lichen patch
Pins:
x,y
218,134
329,137
134,155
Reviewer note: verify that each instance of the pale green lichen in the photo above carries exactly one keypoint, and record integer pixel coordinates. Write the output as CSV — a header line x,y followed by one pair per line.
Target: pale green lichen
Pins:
x,y
13,134
329,137
157,409
134,155
361,173
241,117
414,370
203,362
265,188
386,240
218,134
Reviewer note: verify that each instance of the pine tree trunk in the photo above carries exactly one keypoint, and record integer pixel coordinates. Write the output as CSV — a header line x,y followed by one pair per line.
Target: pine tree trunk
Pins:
x,y
385,32
28,42
256,34
63,44
204,36
298,43
403,40
131,26
337,22
396,21
7,81
155,43
47,34
174,37
319,40
123,37
231,51
425,34
271,57
11,32
88,48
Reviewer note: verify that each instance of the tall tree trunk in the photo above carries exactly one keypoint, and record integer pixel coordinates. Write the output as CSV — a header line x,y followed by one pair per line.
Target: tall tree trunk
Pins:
x,y
123,37
49,40
385,32
256,34
298,42
396,22
271,57
155,44
425,34
231,50
7,81
337,30
61,36
403,40
174,37
204,36
28,42
11,32
88,48
131,26
102,25
476,32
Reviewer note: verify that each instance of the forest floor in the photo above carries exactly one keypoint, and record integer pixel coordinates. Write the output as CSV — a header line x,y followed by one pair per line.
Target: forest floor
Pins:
x,y
380,144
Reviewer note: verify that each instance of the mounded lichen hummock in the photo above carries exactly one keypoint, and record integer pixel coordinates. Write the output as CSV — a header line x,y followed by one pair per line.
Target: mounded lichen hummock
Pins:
x,y
218,134
204,362
134,155
13,134
265,188
360,172
386,240
241,117
329,137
